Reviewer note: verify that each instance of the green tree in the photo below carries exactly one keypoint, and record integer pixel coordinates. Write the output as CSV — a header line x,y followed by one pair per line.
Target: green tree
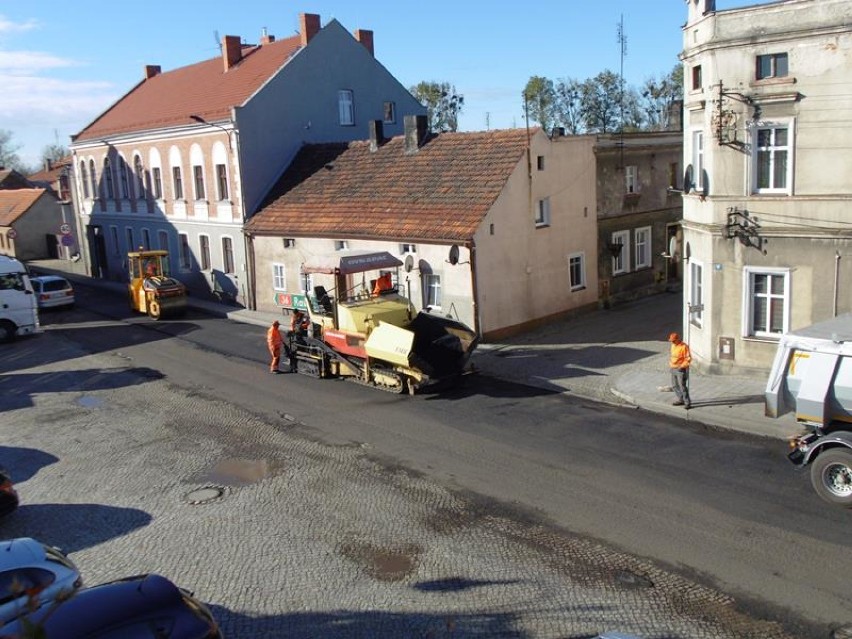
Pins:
x,y
443,104
538,99
601,102
567,106
9,151
658,96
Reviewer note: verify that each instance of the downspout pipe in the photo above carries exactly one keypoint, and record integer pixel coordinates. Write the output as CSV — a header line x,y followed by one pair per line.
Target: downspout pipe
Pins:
x,y
836,282
474,288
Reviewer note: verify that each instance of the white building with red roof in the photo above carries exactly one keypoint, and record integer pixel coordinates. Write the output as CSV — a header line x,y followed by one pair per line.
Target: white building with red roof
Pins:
x,y
185,158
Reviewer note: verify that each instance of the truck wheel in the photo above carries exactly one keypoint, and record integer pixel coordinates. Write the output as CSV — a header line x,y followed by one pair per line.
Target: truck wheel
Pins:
x,y
7,331
831,476
154,311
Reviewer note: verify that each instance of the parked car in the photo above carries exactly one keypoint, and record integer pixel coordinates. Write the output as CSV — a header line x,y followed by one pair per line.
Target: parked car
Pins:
x,y
53,291
8,494
138,607
32,573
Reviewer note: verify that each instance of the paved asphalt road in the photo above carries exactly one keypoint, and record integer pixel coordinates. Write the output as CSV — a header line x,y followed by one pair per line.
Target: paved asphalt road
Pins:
x,y
723,511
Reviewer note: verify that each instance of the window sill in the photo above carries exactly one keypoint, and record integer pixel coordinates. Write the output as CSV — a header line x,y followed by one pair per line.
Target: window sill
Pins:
x,y
542,225
765,339
762,82
575,289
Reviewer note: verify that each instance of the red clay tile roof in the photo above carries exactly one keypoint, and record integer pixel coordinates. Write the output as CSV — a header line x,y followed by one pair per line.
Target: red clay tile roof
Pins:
x,y
204,88
14,203
439,193
49,177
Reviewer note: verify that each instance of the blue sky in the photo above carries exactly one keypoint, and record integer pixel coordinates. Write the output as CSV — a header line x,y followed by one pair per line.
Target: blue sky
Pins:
x,y
62,64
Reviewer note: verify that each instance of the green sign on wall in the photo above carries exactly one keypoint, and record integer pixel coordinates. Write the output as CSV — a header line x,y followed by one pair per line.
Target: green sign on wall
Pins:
x,y
291,300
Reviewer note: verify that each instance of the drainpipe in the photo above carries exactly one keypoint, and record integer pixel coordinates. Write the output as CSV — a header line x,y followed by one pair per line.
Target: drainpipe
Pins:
x,y
252,290
836,281
474,289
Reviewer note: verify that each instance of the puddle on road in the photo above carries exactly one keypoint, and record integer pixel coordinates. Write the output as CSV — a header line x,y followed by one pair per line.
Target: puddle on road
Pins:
x,y
238,472
384,564
88,401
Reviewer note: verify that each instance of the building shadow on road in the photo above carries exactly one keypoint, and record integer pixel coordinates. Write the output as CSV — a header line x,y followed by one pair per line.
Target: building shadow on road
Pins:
x,y
19,389
24,463
73,527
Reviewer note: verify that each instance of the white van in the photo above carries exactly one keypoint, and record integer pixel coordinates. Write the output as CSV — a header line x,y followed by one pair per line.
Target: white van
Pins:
x,y
18,304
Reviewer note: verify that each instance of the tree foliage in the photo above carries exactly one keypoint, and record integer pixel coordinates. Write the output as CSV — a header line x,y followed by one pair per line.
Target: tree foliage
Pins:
x,y
659,95
604,103
9,151
539,96
443,104
55,152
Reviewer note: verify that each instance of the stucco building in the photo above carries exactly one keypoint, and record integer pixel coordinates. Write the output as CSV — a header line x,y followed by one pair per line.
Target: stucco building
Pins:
x,y
31,225
639,210
767,142
500,225
186,156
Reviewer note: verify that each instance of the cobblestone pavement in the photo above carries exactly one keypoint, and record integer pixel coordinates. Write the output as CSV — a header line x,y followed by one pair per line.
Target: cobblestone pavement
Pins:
x,y
307,539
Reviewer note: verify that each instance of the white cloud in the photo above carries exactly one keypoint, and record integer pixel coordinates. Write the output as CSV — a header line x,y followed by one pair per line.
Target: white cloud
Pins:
x,y
7,26
29,61
33,100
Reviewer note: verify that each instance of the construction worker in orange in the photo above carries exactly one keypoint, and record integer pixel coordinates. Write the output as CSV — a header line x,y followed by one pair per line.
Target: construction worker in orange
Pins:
x,y
274,341
679,360
383,283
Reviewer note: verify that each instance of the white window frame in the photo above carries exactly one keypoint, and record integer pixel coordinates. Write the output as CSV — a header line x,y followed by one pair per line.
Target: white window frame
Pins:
x,y
279,276
123,178
389,112
642,247
138,176
698,160
775,125
128,237
621,264
578,259
346,107
204,261
184,252
631,179
116,244
163,240
228,264
773,65
542,212
696,292
341,245
406,249
431,290
749,272
146,239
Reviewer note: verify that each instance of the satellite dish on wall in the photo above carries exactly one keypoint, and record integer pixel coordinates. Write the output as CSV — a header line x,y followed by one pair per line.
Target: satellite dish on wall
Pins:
x,y
409,263
454,254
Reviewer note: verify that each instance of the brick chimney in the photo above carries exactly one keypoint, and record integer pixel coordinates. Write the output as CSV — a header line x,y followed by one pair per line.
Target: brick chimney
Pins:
x,y
309,24
377,135
265,38
151,70
415,132
232,51
365,37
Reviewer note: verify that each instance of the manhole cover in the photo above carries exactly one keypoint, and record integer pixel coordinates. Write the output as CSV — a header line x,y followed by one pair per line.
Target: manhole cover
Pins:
x,y
204,495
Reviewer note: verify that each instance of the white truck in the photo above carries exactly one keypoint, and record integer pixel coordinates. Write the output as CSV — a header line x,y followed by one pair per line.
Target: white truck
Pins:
x,y
812,375
18,304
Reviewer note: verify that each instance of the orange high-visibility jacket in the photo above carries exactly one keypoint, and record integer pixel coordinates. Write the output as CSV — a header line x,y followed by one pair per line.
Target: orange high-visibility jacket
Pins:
x,y
680,356
273,338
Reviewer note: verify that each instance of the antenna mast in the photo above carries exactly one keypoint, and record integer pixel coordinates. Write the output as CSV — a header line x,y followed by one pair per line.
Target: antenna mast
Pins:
x,y
622,42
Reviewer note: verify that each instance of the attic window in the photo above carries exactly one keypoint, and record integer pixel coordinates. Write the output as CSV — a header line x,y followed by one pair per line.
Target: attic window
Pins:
x,y
407,248
540,162
289,242
341,245
389,113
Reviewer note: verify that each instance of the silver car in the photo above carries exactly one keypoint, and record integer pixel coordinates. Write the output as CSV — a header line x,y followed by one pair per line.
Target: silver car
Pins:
x,y
53,291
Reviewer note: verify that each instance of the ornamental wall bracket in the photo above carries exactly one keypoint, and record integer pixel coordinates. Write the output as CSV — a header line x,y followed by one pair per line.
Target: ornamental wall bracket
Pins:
x,y
744,227
725,120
